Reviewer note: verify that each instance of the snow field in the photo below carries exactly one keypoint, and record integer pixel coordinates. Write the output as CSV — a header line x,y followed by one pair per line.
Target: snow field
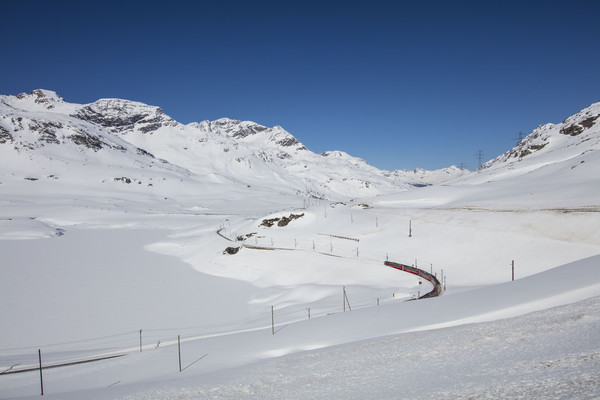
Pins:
x,y
117,271
436,359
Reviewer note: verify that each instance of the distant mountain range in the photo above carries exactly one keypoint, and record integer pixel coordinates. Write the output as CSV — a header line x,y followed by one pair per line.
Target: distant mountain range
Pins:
x,y
43,138
120,150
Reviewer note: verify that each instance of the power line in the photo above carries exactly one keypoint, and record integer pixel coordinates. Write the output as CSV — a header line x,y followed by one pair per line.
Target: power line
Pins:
x,y
520,137
479,156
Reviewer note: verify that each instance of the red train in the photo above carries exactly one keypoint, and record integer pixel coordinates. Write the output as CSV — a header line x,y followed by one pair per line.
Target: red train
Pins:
x,y
437,287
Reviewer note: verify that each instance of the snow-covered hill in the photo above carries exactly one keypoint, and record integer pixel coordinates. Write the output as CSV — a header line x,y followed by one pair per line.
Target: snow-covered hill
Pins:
x,y
99,146
555,166
554,143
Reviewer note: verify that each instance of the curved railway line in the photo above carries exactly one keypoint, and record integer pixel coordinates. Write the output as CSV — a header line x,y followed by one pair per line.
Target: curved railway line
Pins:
x,y
437,286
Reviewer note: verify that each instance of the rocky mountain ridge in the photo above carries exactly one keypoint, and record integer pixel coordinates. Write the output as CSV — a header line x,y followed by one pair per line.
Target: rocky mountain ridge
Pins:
x,y
45,129
576,134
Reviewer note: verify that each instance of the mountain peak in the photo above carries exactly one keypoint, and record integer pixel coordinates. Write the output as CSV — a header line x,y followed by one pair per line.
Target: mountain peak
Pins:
x,y
42,96
47,99
124,115
249,130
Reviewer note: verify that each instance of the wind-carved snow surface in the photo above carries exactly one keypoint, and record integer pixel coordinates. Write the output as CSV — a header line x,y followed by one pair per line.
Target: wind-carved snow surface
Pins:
x,y
114,218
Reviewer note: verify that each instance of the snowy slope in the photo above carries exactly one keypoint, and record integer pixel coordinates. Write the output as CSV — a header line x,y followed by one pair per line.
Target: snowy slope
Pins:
x,y
556,161
555,167
553,143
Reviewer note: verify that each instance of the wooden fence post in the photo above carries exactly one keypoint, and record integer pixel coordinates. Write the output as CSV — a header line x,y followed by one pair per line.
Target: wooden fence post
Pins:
x,y
513,268
41,376
179,350
346,300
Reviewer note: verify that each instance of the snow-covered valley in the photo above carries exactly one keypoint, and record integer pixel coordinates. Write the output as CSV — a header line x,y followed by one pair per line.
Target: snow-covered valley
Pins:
x,y
93,264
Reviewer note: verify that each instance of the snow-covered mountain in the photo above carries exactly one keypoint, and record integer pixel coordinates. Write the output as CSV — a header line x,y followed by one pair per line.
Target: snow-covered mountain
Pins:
x,y
568,141
556,165
114,141
557,162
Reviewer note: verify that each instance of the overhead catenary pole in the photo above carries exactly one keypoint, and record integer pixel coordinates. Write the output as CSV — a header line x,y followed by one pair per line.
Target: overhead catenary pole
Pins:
x,y
140,340
272,320
409,228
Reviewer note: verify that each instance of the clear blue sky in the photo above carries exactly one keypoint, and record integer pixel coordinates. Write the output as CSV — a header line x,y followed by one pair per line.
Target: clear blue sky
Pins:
x,y
402,84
